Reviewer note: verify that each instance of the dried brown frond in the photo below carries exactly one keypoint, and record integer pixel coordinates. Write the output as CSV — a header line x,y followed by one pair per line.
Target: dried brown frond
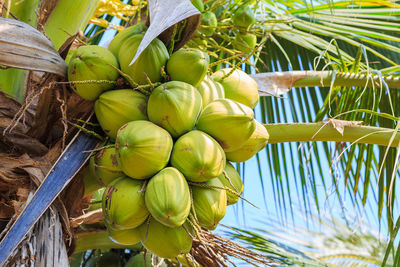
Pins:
x,y
214,250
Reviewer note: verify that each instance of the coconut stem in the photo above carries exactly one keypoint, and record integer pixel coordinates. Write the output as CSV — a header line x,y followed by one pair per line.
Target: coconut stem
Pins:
x,y
229,180
83,129
311,132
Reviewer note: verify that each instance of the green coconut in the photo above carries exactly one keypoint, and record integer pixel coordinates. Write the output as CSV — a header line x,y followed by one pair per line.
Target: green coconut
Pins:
x,y
208,23
95,202
188,65
198,156
228,122
209,203
198,4
175,106
123,237
238,86
210,90
105,165
120,38
90,182
144,260
123,204
143,148
257,141
92,63
167,197
230,178
244,17
245,42
117,107
148,65
69,55
166,242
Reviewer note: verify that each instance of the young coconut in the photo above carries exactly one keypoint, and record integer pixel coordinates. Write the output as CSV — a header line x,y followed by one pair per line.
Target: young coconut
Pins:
x,y
95,202
245,42
167,197
121,37
209,203
231,179
188,65
209,20
257,141
244,17
143,148
118,107
180,107
150,63
123,204
238,86
123,237
92,63
228,122
198,4
164,241
210,90
105,165
198,156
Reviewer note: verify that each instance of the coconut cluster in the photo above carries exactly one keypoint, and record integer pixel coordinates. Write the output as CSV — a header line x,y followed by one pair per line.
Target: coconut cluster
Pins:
x,y
242,18
167,170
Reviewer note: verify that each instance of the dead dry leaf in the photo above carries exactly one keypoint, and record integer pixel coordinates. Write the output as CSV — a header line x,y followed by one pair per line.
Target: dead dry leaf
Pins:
x,y
340,124
24,47
164,14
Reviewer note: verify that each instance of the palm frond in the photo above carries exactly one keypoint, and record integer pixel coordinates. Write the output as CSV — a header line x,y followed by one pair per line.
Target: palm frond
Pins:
x,y
328,242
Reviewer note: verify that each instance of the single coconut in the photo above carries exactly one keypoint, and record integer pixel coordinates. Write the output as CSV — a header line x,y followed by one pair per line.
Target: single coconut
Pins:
x,y
209,202
238,86
143,148
121,37
244,17
198,156
228,122
118,107
105,165
123,204
167,197
188,65
148,66
257,141
208,23
175,106
230,178
210,90
245,42
95,67
164,241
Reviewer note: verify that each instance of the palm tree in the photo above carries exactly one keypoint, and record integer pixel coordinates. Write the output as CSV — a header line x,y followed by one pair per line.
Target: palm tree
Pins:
x,y
351,50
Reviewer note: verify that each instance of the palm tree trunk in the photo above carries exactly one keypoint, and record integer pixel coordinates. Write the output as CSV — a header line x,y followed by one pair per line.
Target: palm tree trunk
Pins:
x,y
43,246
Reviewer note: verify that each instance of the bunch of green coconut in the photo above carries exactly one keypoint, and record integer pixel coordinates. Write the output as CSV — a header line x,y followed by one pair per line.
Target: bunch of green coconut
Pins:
x,y
242,18
172,135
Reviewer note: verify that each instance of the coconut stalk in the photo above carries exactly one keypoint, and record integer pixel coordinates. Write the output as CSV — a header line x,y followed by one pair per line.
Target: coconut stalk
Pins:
x,y
277,83
333,130
99,239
